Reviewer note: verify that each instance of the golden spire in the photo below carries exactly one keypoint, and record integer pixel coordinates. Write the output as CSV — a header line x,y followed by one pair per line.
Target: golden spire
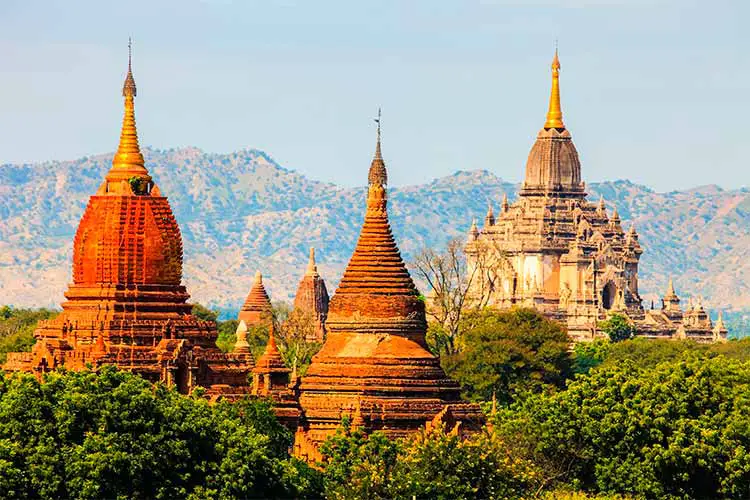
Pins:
x,y
554,115
128,161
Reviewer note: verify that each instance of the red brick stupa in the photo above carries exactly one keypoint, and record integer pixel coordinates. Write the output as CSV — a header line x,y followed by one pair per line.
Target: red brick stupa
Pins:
x,y
374,365
312,298
257,307
127,305
271,380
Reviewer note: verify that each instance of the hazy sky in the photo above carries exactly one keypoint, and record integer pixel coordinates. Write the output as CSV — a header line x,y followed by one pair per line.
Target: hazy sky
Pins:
x,y
654,91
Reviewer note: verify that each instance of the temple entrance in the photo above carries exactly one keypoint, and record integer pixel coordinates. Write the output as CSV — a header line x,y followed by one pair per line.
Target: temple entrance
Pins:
x,y
608,295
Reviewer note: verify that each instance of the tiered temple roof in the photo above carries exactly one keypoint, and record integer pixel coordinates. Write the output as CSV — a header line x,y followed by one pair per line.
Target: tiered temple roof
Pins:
x,y
257,307
127,305
271,380
374,364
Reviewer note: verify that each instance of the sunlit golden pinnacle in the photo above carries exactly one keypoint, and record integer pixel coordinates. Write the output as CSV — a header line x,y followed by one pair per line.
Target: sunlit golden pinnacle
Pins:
x,y
554,115
128,160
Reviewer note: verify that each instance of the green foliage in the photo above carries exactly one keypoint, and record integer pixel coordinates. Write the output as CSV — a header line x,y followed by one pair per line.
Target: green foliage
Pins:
x,y
227,337
438,339
204,313
509,353
114,435
677,430
618,328
587,355
356,465
430,465
17,328
138,184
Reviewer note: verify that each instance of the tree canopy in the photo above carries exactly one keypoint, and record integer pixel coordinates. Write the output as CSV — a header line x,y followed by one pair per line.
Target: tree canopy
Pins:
x,y
676,430
509,353
112,434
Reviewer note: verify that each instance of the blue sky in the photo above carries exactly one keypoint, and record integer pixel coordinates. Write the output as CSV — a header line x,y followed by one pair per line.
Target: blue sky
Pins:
x,y
653,91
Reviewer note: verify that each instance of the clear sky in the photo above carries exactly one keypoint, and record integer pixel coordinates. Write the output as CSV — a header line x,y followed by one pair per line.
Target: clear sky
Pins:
x,y
654,91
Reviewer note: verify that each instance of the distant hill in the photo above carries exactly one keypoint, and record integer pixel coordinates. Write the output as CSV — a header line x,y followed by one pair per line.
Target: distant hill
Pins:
x,y
242,211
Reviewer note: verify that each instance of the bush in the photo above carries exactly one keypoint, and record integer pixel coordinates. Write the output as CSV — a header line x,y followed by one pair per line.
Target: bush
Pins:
x,y
618,328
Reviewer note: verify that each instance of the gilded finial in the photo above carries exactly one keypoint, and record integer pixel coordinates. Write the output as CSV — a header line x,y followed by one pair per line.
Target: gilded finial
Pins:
x,y
554,115
128,161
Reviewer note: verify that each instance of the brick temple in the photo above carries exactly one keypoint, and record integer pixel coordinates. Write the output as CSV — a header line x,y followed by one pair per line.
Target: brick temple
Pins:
x,y
569,258
312,298
374,365
256,309
127,305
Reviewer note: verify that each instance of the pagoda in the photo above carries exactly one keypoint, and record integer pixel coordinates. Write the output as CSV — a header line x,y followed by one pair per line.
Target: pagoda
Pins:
x,y
312,299
126,305
271,379
374,366
557,252
257,307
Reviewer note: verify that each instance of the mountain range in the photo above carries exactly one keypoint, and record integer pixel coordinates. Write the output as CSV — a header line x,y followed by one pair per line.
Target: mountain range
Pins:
x,y
242,212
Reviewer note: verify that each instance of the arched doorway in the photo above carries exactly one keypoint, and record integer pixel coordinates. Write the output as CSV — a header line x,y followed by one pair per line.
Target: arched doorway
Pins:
x,y
608,295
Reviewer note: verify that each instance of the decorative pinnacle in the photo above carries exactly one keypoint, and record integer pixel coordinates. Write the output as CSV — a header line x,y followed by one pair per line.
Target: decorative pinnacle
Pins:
x,y
258,277
128,161
271,339
241,345
670,288
554,115
129,89
312,268
377,147
378,173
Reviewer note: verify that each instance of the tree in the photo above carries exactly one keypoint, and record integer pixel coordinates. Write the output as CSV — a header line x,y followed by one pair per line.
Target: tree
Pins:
x,y
588,355
17,328
509,353
292,336
618,328
204,313
112,434
434,464
676,430
455,287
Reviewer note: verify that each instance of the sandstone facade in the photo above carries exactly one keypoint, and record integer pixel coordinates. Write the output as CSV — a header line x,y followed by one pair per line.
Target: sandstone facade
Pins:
x,y
571,259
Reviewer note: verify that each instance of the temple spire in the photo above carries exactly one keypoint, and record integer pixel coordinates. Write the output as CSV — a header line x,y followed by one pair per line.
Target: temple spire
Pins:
x,y
312,267
378,173
128,161
554,115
